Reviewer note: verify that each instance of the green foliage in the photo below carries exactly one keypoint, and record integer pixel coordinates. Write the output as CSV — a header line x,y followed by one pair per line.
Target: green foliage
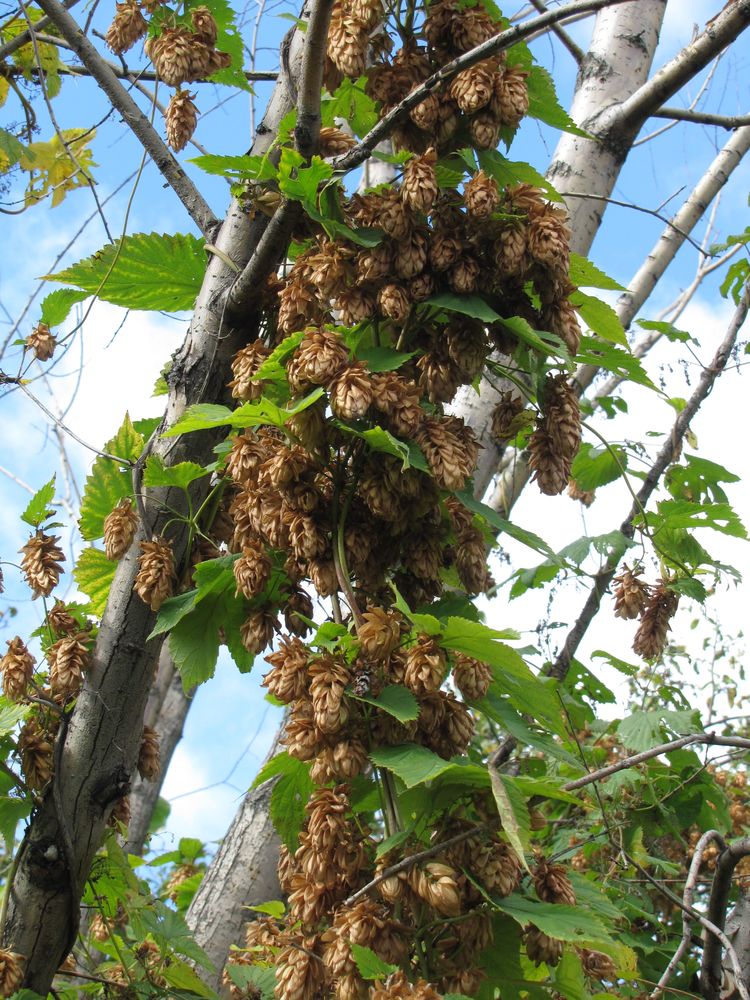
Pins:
x,y
290,793
369,965
109,482
94,574
544,105
181,475
514,813
38,508
396,701
56,305
142,271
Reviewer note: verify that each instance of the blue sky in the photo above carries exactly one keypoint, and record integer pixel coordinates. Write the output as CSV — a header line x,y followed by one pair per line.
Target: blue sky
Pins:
x,y
112,366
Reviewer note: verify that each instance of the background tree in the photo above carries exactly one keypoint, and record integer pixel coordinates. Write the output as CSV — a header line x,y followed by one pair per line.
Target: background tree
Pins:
x,y
512,246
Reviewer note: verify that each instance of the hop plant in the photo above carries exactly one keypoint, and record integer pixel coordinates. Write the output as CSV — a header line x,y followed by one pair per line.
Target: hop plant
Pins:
x,y
41,342
119,529
17,668
156,576
41,563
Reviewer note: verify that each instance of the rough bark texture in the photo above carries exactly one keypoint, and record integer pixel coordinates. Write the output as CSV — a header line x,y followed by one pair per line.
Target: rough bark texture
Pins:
x,y
98,748
166,711
242,874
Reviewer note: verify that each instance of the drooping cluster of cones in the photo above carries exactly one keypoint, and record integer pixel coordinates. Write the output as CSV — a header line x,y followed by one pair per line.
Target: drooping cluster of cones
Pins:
x,y
183,51
655,606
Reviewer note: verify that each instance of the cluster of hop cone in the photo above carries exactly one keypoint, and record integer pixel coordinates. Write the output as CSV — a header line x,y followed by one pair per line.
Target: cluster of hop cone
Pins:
x,y
350,522
184,51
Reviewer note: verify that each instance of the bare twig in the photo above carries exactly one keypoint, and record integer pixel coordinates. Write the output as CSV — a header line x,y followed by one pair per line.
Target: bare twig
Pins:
x,y
573,47
702,117
636,208
666,82
406,863
146,75
307,130
711,975
138,123
709,739
687,898
23,37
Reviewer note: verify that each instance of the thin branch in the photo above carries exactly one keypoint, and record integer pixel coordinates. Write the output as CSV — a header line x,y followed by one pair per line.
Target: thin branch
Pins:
x,y
687,898
711,975
714,931
702,117
146,75
138,123
307,130
58,423
678,431
667,81
635,208
504,40
573,47
21,39
691,107
709,739
406,863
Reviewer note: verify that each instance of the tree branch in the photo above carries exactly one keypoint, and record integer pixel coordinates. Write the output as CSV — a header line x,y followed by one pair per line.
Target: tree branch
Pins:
x,y
664,458
702,117
23,37
172,172
359,153
665,83
687,898
133,75
709,739
573,48
711,974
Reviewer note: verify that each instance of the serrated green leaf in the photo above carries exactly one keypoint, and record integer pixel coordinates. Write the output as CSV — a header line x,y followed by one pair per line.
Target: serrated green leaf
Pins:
x,y
600,317
108,483
206,416
491,516
540,340
351,102
508,173
544,105
143,271
38,508
383,359
301,182
412,763
56,305
182,474
180,975
396,700
280,763
600,354
382,440
253,977
596,466
566,923
368,963
273,367
12,811
11,150
587,275
288,799
467,305
274,908
256,168
568,977
514,813
94,574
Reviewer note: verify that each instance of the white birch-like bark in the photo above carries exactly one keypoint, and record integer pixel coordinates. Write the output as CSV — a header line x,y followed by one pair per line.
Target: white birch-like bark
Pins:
x,y
615,67
514,471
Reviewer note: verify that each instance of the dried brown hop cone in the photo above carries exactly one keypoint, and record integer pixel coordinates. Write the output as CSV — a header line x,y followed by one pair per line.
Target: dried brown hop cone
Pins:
x,y
180,119
651,637
119,529
172,54
149,764
631,594
419,188
585,497
351,392
17,667
552,884
481,196
204,24
11,972
41,342
541,948
379,633
597,965
252,570
126,28
471,677
554,444
41,563
35,746
157,575
60,620
68,660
